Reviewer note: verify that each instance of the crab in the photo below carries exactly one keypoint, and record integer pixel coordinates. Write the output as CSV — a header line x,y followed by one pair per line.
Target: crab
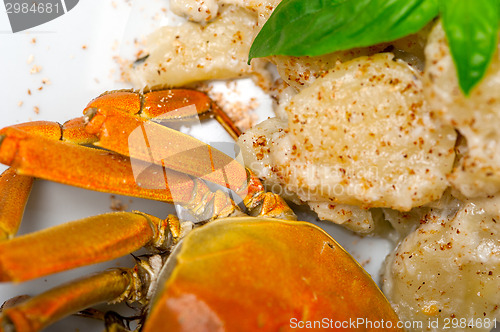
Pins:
x,y
239,268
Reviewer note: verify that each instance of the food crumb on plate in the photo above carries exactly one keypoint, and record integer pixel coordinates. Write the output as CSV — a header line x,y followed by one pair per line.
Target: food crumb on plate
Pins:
x,y
36,69
365,262
116,204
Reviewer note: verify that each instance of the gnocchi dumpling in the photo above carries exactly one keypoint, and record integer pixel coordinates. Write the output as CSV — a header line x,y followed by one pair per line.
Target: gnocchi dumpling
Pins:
x,y
300,72
192,52
206,10
362,135
448,267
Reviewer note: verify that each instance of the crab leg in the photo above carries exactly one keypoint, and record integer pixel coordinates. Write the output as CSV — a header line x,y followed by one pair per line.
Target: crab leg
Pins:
x,y
145,140
161,103
15,188
79,243
47,129
90,168
49,307
106,171
73,131
14,192
148,141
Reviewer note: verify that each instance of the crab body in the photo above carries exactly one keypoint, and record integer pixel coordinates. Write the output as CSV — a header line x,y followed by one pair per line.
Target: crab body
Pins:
x,y
231,274
249,274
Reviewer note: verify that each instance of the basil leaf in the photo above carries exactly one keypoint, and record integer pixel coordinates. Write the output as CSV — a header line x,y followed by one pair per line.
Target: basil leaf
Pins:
x,y
472,31
315,27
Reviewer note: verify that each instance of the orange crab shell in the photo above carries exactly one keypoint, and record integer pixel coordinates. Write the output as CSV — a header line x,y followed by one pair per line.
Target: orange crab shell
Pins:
x,y
248,274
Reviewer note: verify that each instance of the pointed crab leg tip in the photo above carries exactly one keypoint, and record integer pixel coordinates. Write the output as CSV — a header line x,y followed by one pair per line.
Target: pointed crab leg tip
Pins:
x,y
135,257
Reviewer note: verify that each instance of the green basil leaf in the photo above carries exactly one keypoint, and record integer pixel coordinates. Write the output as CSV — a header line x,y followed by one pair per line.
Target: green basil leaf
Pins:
x,y
315,27
472,31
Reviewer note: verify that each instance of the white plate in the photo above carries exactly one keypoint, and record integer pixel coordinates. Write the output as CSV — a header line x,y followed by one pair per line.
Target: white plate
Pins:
x,y
75,54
